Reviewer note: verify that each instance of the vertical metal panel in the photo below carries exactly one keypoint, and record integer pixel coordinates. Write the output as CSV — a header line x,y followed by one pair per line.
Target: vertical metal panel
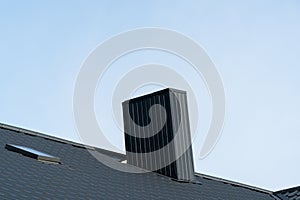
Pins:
x,y
177,122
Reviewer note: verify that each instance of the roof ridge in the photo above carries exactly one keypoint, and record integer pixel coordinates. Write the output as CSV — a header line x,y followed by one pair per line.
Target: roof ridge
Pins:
x,y
288,189
234,183
45,136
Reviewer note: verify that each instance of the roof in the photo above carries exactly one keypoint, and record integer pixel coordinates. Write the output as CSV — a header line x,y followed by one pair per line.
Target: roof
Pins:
x,y
81,176
291,193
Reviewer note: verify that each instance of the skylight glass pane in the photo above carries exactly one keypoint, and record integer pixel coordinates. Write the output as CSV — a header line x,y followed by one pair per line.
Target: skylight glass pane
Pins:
x,y
32,153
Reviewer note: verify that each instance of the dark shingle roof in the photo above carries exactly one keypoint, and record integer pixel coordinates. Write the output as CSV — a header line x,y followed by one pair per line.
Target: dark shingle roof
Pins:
x,y
291,193
81,176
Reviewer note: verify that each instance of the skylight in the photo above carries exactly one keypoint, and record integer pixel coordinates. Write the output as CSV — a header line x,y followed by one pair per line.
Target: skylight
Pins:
x,y
32,153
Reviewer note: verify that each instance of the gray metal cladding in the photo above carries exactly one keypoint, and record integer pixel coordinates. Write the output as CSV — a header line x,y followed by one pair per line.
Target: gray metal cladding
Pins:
x,y
157,133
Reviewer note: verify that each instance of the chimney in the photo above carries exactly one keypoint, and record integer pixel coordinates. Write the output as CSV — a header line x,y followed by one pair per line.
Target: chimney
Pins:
x,y
157,134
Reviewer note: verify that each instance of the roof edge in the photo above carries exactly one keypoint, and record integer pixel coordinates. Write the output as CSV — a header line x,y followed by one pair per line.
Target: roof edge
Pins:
x,y
288,189
235,183
38,134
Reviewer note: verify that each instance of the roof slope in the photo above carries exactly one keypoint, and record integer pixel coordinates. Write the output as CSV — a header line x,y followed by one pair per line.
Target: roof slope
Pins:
x,y
81,176
291,193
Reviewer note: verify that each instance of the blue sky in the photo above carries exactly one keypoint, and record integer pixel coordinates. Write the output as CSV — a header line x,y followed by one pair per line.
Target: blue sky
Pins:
x,y
254,45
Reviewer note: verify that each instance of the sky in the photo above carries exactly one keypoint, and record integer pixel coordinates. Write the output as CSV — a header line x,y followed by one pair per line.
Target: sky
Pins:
x,y
254,45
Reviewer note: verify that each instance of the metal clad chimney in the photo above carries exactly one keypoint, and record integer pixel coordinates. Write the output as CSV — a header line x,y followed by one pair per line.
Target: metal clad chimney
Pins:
x,y
157,133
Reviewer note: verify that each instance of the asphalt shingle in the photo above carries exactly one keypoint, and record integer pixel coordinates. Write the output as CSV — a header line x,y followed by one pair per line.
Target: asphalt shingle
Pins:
x,y
82,176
